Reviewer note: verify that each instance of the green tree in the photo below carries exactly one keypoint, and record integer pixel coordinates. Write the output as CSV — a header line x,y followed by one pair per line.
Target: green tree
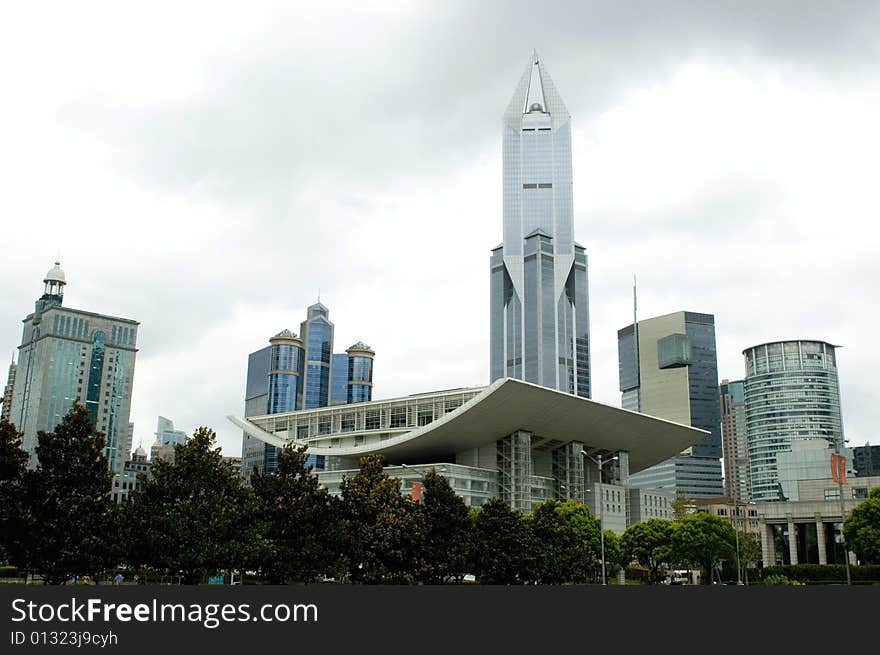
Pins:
x,y
682,508
192,516
586,526
650,544
704,540
299,521
15,525
502,545
382,528
448,532
613,553
749,552
862,529
560,553
69,498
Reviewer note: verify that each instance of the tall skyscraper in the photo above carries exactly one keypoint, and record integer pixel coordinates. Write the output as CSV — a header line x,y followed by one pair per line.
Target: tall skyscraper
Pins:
x,y
668,368
317,337
7,391
69,355
734,437
296,373
539,313
792,394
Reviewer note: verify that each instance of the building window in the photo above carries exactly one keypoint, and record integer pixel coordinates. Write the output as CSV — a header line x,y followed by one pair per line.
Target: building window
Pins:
x,y
398,417
860,492
832,494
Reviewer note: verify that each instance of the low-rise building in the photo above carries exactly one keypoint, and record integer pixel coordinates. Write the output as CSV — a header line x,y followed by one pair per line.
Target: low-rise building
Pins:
x,y
518,441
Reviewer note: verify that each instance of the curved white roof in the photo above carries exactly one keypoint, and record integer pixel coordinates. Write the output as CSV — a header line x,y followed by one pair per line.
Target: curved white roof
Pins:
x,y
553,417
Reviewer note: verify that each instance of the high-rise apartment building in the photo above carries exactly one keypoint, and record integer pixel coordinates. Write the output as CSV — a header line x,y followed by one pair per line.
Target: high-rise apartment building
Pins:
x,y
791,394
301,372
7,392
539,314
735,442
68,355
668,368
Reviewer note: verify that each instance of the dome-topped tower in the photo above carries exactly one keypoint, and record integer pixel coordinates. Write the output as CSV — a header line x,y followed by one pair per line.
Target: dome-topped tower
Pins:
x,y
54,282
53,291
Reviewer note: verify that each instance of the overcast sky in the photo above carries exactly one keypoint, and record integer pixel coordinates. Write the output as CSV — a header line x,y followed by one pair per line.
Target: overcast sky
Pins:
x,y
205,168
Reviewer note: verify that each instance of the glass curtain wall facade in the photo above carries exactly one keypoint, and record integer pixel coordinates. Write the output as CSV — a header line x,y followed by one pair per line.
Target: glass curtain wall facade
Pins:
x,y
301,372
317,335
668,368
360,373
285,391
791,393
539,313
256,403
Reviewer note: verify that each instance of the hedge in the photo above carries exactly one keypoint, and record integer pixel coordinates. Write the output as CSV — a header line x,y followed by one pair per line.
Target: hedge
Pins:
x,y
825,572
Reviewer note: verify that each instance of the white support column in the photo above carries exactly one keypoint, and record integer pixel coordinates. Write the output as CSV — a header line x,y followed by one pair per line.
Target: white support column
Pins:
x,y
820,538
792,540
768,547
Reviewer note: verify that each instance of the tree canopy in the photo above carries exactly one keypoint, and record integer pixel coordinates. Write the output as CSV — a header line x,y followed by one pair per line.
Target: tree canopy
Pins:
x,y
703,540
650,544
69,501
862,529
448,535
382,528
298,521
502,548
192,516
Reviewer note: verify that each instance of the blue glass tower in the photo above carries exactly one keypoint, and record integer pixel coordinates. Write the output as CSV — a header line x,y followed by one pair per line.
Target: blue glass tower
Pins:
x,y
539,309
296,373
317,335
360,373
286,359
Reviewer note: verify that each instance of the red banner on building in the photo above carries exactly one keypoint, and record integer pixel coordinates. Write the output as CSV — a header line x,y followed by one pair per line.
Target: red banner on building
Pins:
x,y
838,468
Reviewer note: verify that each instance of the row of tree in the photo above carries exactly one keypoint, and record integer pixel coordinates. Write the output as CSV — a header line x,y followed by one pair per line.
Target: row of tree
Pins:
x,y
193,517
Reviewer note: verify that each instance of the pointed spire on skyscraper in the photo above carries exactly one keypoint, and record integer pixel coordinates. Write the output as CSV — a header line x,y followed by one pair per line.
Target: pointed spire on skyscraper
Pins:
x,y
535,97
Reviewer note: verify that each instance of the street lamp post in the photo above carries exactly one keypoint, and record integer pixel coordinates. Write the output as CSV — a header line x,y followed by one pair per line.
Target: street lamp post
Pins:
x,y
739,579
840,476
600,500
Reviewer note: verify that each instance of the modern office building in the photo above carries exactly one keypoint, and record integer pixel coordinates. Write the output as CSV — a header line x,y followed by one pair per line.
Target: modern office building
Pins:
x,y
518,441
735,441
166,434
539,314
792,394
7,391
256,403
668,368
70,355
301,372
866,460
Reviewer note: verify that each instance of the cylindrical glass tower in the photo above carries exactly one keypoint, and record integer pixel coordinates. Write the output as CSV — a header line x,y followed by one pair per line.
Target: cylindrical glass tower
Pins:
x,y
286,361
285,372
791,393
360,373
